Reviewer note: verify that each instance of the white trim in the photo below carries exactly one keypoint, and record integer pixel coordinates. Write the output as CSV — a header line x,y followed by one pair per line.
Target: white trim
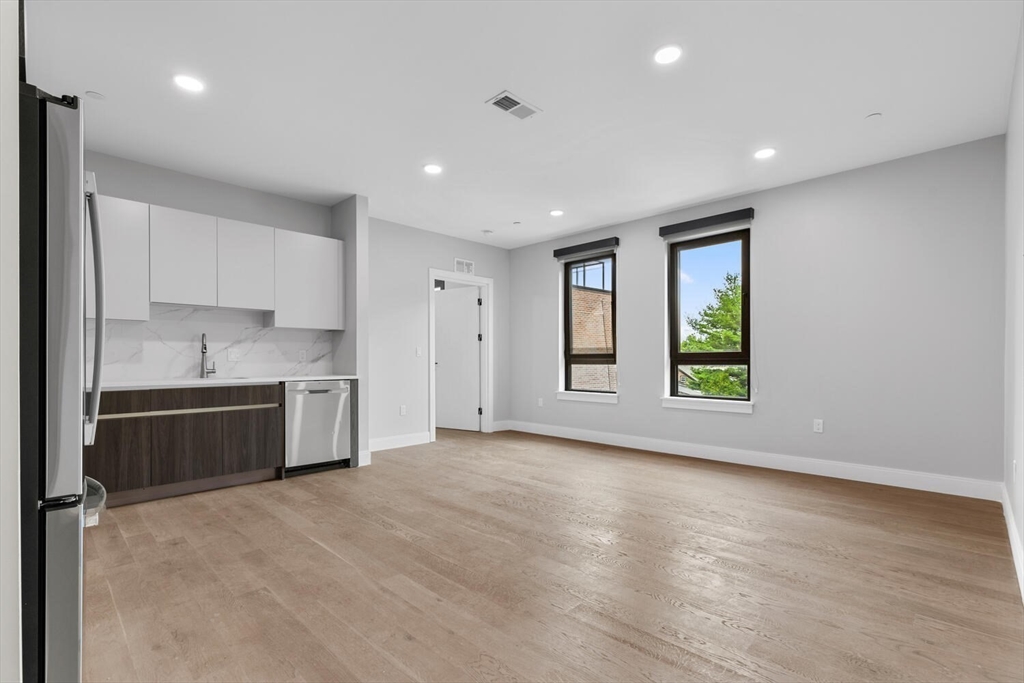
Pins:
x,y
502,426
713,404
486,285
1016,549
364,458
923,481
386,443
587,397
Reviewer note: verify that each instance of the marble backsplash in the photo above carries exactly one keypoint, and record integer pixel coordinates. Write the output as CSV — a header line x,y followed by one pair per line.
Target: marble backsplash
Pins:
x,y
168,346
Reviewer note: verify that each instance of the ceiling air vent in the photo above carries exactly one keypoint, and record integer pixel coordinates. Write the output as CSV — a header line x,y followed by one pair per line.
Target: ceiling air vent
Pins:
x,y
463,266
514,105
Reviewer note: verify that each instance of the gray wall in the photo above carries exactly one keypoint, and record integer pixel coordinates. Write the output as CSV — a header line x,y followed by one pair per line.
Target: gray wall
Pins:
x,y
126,179
1014,386
877,301
400,259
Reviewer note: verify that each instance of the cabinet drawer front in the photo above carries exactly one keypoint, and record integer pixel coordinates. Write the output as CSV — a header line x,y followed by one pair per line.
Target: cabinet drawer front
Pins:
x,y
187,447
216,397
253,440
124,402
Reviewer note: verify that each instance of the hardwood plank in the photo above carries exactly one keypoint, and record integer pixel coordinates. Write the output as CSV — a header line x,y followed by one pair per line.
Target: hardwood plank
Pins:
x,y
518,557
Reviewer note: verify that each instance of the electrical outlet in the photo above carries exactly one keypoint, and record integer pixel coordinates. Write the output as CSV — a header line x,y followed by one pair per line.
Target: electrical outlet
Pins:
x,y
302,356
540,403
819,426
419,352
234,356
401,409
1015,470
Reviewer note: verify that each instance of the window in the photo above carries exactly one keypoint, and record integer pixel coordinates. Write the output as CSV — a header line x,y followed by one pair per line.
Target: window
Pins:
x,y
589,312
709,311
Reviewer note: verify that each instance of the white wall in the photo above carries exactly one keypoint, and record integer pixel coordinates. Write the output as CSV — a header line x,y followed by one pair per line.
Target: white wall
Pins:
x,y
10,457
350,222
877,301
1014,385
117,177
400,258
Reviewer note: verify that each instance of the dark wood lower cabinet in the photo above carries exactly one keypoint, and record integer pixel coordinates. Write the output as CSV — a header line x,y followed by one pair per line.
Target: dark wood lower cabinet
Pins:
x,y
120,459
162,439
187,447
253,440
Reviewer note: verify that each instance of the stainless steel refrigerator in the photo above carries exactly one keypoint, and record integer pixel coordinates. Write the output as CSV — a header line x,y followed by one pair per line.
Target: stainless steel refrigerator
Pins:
x,y
58,414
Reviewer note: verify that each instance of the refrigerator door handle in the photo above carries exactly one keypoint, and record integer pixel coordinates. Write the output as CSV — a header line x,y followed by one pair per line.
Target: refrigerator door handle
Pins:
x,y
96,390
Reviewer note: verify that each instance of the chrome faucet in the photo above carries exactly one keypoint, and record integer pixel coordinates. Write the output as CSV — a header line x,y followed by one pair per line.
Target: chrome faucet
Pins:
x,y
203,370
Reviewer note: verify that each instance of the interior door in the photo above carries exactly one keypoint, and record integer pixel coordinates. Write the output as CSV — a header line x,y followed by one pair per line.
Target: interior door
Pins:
x,y
457,357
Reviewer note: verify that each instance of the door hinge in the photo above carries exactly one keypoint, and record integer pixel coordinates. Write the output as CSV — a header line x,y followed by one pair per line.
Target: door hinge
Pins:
x,y
479,411
479,337
479,302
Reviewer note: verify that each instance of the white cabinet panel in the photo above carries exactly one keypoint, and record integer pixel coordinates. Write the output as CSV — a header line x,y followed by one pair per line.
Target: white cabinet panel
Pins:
x,y
245,265
307,281
183,257
125,226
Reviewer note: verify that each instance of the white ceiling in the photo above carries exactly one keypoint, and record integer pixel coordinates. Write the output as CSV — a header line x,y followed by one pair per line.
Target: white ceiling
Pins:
x,y
318,100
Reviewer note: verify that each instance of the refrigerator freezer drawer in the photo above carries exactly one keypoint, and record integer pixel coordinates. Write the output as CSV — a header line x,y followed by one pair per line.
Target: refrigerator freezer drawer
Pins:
x,y
62,620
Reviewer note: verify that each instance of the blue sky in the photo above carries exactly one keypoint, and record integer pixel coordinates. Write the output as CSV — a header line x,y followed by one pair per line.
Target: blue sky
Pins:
x,y
700,271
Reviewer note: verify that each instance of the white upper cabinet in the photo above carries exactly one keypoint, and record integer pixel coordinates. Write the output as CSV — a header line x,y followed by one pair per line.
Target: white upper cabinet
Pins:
x,y
125,235
307,281
245,265
183,257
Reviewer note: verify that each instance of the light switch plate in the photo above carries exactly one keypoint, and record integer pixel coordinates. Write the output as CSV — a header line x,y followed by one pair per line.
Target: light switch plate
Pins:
x,y
234,356
302,355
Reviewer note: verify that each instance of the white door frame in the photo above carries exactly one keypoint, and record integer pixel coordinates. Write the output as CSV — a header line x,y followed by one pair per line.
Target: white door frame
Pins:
x,y
486,286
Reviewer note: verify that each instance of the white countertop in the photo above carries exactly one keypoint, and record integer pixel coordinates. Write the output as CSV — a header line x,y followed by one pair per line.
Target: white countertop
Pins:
x,y
191,382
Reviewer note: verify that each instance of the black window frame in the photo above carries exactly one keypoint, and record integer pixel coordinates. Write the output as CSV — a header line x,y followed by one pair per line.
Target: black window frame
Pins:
x,y
570,358
677,357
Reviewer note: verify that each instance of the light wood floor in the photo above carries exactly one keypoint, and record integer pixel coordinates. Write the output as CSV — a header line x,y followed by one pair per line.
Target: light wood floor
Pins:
x,y
515,557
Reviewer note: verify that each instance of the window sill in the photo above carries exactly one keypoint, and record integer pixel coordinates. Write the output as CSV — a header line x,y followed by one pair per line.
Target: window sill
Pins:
x,y
715,405
587,397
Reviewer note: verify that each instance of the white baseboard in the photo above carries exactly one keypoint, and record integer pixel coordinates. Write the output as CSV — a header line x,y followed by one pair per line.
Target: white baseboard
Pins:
x,y
385,443
364,458
502,425
1016,548
909,479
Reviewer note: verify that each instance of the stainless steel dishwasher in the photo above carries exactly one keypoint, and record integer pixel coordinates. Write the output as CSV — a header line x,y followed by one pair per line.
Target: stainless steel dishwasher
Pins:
x,y
318,425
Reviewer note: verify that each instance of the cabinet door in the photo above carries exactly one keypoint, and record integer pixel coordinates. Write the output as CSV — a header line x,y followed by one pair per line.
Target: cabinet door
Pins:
x,y
307,281
253,439
125,226
183,257
120,458
245,265
186,447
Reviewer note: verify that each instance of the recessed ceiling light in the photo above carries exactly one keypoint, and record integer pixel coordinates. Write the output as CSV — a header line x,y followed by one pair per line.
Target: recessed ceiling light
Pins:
x,y
95,95
188,83
668,54
764,153
432,169
557,212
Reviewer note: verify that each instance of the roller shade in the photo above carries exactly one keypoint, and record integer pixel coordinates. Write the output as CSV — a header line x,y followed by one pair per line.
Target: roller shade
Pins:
x,y
740,216
587,248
